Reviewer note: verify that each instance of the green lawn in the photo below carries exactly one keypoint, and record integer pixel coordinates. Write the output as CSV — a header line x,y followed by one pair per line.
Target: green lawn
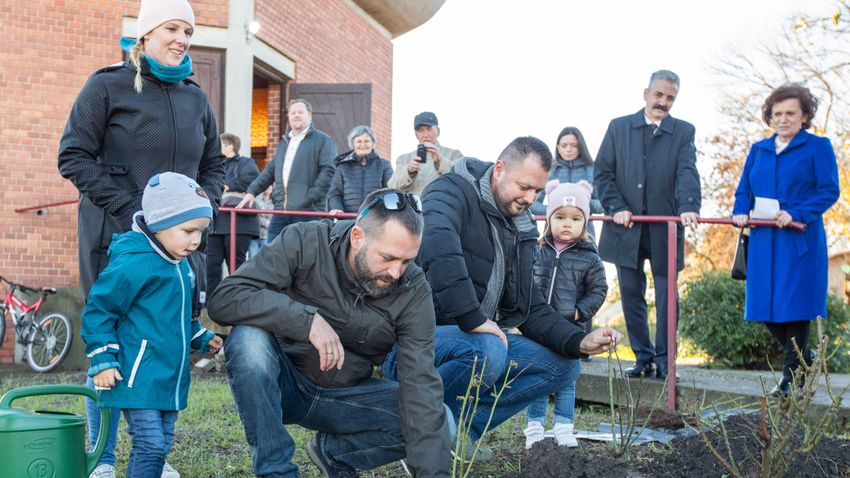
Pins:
x,y
210,441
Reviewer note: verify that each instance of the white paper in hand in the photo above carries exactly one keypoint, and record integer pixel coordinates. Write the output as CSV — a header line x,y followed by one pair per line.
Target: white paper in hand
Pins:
x,y
765,208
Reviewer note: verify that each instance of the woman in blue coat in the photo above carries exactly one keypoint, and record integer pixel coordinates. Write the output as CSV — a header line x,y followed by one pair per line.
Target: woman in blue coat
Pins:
x,y
787,269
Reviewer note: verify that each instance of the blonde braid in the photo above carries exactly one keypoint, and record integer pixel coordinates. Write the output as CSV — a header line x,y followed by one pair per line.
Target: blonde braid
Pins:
x,y
136,59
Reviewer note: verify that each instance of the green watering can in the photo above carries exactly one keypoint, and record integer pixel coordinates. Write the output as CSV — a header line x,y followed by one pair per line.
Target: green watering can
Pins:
x,y
47,444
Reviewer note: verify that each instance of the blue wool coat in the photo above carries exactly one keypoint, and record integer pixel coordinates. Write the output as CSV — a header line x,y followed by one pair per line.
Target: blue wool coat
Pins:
x,y
787,269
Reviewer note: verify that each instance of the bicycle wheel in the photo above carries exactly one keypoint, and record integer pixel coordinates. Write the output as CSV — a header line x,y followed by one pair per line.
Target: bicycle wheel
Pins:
x,y
50,342
2,323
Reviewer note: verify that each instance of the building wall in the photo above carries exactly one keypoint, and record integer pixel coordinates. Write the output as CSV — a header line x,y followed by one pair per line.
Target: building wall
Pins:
x,y
50,49
331,43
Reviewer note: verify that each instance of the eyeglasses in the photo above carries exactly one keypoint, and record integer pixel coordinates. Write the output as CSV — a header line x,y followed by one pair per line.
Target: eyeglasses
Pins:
x,y
393,201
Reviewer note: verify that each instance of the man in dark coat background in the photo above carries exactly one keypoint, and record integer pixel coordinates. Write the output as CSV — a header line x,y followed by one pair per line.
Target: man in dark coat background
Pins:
x,y
301,169
239,172
647,166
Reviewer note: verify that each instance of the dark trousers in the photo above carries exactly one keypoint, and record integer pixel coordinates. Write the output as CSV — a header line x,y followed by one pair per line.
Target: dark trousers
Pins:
x,y
633,295
783,332
218,250
279,221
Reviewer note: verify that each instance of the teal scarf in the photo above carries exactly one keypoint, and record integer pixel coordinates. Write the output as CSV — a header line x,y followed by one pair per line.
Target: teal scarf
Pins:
x,y
167,74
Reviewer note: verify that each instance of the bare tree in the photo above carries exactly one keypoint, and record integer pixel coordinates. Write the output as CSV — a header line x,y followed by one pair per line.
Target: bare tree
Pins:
x,y
813,51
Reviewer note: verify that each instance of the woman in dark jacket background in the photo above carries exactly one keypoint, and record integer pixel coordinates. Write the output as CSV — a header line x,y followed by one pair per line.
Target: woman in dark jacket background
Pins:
x,y
573,163
131,121
358,172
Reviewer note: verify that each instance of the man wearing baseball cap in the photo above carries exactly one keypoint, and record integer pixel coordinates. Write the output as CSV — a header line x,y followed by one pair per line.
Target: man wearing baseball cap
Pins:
x,y
412,173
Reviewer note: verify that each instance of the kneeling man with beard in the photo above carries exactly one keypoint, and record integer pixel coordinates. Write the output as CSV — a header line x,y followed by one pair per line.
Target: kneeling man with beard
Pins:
x,y
313,313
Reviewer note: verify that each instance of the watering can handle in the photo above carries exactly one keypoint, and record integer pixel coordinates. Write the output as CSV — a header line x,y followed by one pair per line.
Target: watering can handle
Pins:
x,y
92,457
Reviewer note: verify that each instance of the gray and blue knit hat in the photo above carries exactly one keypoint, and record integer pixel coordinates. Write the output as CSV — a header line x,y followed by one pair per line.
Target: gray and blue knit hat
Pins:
x,y
170,199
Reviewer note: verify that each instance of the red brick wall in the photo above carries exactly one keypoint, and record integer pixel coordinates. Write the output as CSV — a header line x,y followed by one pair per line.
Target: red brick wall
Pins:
x,y
50,49
274,119
332,43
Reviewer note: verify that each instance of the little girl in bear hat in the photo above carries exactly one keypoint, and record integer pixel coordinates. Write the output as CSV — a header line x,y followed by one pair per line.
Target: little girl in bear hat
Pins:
x,y
568,270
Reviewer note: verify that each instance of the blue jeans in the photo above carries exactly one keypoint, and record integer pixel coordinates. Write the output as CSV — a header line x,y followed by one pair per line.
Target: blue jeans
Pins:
x,y
255,246
359,427
93,422
152,432
565,404
538,373
279,221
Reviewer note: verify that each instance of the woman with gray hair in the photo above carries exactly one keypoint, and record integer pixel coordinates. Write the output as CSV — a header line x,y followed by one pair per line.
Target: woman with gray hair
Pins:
x,y
358,172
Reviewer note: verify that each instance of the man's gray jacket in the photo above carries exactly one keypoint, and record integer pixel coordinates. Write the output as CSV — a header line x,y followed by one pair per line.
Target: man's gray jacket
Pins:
x,y
306,270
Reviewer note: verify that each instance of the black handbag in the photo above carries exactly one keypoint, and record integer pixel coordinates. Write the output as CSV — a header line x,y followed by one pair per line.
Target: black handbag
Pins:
x,y
739,263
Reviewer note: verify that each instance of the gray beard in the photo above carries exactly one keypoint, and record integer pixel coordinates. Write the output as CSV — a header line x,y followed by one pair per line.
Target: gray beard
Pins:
x,y
366,280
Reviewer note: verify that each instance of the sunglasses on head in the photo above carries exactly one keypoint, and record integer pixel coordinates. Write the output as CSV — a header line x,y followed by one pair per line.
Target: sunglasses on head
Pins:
x,y
393,201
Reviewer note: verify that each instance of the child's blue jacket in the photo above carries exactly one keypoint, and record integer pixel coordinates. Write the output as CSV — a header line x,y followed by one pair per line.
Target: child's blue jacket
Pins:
x,y
138,319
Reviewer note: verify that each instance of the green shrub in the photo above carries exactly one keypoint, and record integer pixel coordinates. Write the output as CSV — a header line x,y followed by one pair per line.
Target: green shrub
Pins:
x,y
712,322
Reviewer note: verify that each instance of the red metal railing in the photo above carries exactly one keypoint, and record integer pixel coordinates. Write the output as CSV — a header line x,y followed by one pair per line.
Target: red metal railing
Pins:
x,y
672,236
672,272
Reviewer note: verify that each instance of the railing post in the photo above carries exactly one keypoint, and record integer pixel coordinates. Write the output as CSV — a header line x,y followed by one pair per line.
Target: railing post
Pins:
x,y
672,249
232,261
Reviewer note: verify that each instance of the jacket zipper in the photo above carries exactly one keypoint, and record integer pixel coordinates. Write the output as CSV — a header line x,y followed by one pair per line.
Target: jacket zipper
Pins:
x,y
173,129
182,336
136,363
554,273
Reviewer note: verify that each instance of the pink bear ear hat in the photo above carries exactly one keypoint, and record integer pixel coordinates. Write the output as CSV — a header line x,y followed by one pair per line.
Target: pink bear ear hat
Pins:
x,y
576,195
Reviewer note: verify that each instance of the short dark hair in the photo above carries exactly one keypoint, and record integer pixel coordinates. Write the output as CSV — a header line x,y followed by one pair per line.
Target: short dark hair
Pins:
x,y
583,153
233,140
808,102
302,101
373,222
523,147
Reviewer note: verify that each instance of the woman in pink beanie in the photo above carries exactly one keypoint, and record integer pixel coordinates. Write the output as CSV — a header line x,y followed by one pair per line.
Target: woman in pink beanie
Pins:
x,y
131,121
568,270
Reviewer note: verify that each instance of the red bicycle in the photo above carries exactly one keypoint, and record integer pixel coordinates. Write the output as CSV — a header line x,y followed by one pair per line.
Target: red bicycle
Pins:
x,y
47,339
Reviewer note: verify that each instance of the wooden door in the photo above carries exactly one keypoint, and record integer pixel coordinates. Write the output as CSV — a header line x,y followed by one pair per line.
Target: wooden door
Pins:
x,y
208,69
337,107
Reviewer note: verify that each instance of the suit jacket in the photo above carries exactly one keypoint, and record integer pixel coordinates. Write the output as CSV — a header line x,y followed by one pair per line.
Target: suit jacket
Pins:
x,y
309,179
659,179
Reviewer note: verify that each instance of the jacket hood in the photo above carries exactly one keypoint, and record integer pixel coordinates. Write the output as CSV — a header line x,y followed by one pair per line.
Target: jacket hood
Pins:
x,y
139,241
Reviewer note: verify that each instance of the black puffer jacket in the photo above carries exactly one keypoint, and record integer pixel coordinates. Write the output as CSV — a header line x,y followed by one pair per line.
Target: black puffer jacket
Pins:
x,y
353,181
116,139
457,255
579,278
239,171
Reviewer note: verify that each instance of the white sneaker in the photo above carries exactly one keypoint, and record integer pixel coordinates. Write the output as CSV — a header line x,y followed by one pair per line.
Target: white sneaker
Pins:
x,y
103,471
169,472
564,435
533,433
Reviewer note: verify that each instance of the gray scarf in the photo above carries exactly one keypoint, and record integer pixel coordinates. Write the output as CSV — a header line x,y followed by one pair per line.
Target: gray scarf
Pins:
x,y
523,222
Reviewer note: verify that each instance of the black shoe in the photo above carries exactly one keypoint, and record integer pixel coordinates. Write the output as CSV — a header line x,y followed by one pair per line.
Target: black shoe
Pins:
x,y
326,469
587,359
639,370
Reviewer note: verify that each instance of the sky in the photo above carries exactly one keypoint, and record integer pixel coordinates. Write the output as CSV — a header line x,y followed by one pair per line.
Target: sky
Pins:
x,y
493,70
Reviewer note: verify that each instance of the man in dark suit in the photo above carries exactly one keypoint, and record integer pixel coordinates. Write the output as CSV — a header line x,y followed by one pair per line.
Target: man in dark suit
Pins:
x,y
647,166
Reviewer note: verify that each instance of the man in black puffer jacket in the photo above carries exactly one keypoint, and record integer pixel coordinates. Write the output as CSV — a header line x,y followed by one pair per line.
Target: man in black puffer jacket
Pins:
x,y
477,253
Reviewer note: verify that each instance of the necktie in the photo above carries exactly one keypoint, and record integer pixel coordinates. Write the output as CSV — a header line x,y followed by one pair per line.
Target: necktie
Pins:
x,y
652,127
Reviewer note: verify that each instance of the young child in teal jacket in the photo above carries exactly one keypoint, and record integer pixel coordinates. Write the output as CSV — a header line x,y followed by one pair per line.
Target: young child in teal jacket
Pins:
x,y
137,323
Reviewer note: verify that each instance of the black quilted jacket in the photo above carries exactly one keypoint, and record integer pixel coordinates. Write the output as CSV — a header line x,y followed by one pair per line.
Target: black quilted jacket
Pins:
x,y
572,280
353,181
116,139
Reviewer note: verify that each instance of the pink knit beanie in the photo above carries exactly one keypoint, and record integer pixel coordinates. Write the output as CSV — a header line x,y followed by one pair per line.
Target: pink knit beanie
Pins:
x,y
154,13
568,194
